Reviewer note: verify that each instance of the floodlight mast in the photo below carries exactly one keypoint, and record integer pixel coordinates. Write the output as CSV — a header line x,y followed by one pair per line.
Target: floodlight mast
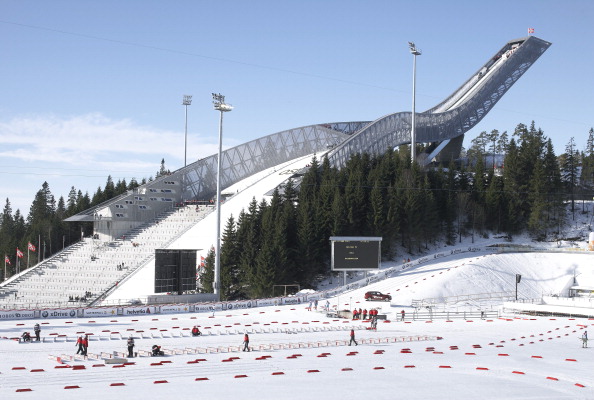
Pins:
x,y
413,140
186,102
219,104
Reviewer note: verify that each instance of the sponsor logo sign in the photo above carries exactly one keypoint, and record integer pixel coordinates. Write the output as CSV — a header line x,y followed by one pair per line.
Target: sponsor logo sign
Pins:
x,y
17,314
208,307
268,302
238,305
175,309
293,300
138,310
58,313
100,312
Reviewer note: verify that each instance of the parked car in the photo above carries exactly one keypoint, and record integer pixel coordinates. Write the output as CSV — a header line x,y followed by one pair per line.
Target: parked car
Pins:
x,y
377,296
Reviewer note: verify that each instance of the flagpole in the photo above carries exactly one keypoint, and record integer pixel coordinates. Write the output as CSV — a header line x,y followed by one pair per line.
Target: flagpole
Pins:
x,y
5,267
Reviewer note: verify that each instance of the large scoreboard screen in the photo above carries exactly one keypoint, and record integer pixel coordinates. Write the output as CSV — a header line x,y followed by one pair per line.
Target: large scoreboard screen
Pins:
x,y
353,253
175,270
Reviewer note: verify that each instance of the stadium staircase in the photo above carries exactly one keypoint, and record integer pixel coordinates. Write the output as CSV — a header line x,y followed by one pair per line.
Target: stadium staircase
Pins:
x,y
85,271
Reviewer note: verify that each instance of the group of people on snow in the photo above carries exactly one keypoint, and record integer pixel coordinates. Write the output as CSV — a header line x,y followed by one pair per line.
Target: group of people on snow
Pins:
x,y
83,344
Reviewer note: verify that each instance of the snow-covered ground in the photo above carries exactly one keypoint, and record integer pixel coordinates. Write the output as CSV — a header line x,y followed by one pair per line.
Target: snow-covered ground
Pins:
x,y
505,357
299,353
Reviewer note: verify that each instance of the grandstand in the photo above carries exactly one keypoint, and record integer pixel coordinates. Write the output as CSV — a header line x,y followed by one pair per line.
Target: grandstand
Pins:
x,y
163,213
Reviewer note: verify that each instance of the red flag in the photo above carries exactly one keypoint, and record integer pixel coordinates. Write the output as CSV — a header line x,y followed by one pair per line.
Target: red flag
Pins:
x,y
530,30
202,261
19,253
7,260
31,247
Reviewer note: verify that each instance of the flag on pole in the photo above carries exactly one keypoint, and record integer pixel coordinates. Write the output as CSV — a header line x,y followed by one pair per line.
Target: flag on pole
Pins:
x,y
202,261
31,247
19,253
7,260
530,31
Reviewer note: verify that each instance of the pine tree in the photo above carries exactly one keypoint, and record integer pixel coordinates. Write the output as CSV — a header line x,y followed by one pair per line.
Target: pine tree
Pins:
x,y
230,253
206,278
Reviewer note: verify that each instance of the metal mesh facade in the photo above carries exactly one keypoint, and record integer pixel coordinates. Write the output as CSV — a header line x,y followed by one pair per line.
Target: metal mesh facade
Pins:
x,y
445,123
455,115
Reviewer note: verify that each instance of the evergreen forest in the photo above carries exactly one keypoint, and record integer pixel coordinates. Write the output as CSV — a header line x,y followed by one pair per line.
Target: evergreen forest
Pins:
x,y
285,240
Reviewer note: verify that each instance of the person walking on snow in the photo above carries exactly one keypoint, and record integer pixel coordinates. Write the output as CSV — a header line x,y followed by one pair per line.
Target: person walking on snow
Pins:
x,y
246,342
353,338
402,314
37,331
585,339
130,347
85,343
79,343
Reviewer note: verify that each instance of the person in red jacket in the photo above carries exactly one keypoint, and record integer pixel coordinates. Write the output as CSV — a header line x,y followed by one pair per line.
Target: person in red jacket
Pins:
x,y
246,342
85,345
79,343
353,338
365,314
355,313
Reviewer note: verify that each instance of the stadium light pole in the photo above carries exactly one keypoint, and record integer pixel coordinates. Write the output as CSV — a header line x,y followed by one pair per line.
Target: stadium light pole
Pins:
x,y
186,102
413,142
219,104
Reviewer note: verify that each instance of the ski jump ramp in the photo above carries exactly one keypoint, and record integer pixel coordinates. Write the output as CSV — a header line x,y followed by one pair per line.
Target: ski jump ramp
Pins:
x,y
443,126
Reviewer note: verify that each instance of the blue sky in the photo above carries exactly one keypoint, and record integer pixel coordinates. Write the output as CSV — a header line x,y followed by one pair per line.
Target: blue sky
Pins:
x,y
91,89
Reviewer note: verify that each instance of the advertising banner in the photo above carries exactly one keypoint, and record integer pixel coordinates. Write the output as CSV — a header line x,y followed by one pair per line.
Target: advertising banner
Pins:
x,y
25,314
210,307
172,309
268,302
239,305
100,312
146,310
293,300
58,313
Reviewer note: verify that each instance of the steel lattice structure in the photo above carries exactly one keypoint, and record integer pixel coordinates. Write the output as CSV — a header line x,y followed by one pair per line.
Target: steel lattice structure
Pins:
x,y
444,124
450,119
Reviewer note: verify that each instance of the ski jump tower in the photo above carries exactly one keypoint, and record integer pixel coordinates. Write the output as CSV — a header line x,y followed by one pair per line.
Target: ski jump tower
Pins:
x,y
443,126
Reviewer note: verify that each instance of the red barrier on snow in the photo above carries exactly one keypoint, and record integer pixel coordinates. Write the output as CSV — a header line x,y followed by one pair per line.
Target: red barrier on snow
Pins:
x,y
444,366
278,373
536,356
29,390
503,355
409,366
482,368
518,372
77,367
96,365
241,376
470,354
72,387
552,378
347,369
579,385
38,370
15,368
312,370
163,381
201,379
378,368
117,384
570,359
